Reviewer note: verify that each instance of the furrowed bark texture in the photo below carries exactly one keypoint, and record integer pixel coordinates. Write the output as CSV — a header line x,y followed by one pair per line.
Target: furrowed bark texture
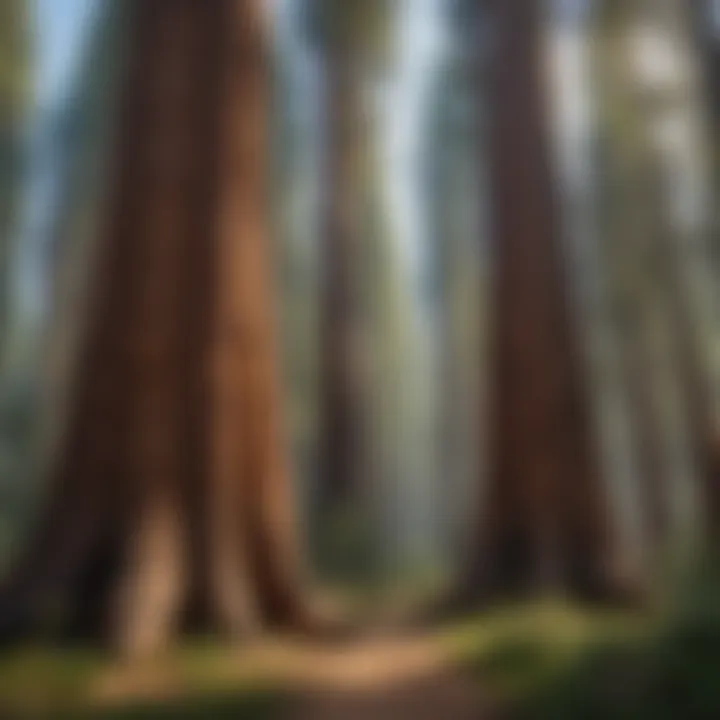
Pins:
x,y
170,502
545,523
342,382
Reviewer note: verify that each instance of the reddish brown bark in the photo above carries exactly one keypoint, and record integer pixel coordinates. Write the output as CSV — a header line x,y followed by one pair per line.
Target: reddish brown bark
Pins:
x,y
170,494
546,523
341,304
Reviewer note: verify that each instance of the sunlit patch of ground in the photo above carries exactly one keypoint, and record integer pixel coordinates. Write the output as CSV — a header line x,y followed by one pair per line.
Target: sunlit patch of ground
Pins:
x,y
543,660
518,649
455,669
275,678
192,682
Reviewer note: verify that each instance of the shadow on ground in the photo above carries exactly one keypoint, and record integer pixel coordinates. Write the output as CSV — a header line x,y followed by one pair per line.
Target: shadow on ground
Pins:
x,y
239,706
623,668
552,661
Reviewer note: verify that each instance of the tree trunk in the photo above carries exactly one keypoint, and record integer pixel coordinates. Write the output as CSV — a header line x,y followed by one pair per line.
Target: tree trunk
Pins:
x,y
170,500
695,380
545,522
15,83
629,247
341,304
703,423
706,34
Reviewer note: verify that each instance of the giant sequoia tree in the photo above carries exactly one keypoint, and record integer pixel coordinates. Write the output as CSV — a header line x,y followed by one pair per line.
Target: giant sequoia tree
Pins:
x,y
169,499
342,382
347,34
545,522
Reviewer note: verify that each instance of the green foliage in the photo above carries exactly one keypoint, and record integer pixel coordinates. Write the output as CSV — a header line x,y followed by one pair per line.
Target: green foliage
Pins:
x,y
673,675
518,652
669,669
14,58
359,27
346,548
14,100
195,682
33,681
239,706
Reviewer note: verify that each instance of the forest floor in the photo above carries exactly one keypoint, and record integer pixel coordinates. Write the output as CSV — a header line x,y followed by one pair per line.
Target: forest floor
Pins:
x,y
470,669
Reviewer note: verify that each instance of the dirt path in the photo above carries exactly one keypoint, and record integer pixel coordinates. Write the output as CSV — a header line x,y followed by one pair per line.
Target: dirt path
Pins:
x,y
385,680
368,679
441,695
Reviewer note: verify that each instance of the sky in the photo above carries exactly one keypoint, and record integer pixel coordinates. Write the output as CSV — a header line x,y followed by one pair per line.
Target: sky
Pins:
x,y
62,25
60,28
421,41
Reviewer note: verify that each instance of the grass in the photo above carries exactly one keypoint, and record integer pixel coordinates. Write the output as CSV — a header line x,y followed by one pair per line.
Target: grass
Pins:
x,y
546,660
555,662
518,650
245,705
35,680
672,672
516,653
196,681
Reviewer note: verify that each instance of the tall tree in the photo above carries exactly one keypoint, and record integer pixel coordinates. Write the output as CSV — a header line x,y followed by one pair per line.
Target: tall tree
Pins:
x,y
686,253
453,180
345,33
342,384
14,94
705,22
545,521
629,251
170,498
83,131
704,19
